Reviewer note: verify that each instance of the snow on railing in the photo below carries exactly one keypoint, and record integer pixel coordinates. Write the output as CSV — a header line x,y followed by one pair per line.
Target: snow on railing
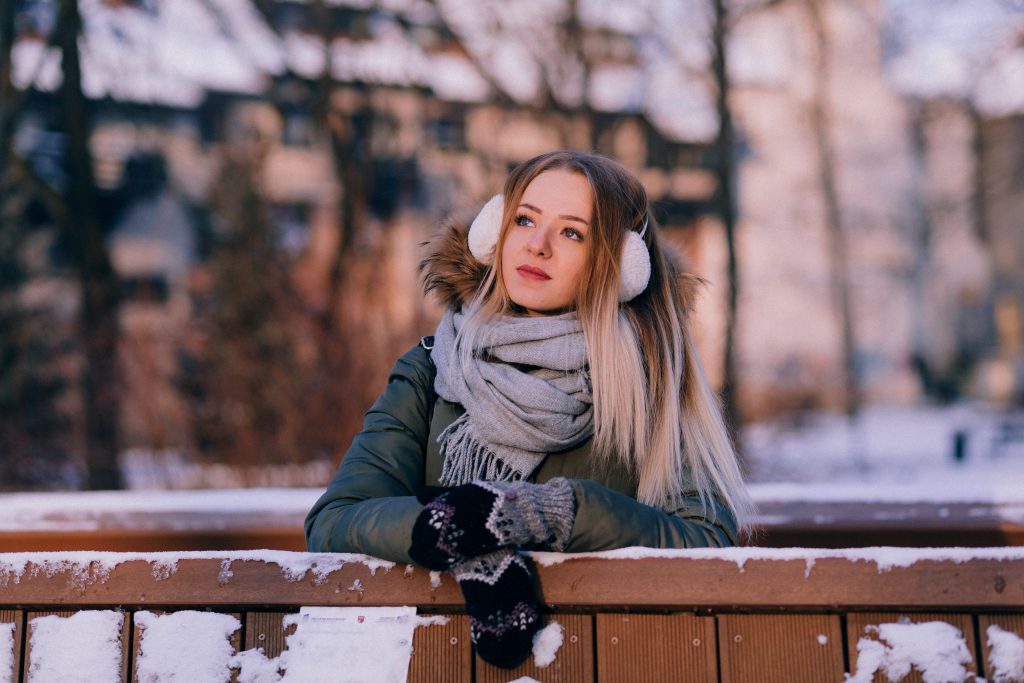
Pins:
x,y
731,576
353,613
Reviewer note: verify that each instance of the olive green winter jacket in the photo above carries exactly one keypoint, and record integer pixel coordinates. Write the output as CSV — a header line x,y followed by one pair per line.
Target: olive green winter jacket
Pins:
x,y
369,506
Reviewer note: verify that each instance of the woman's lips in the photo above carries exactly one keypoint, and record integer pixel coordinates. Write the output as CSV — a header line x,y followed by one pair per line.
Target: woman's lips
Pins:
x,y
532,273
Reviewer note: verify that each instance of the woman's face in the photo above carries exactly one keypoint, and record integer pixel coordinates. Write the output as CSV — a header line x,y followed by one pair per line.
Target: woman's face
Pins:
x,y
545,248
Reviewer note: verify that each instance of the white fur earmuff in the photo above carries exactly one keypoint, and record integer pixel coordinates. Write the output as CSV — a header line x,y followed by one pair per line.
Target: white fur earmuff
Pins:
x,y
483,232
635,265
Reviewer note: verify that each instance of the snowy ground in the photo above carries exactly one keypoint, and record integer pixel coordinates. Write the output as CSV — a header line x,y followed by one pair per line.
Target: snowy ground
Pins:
x,y
180,510
896,455
893,454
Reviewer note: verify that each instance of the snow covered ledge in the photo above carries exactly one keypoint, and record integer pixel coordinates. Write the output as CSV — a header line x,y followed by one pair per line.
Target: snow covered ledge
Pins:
x,y
634,578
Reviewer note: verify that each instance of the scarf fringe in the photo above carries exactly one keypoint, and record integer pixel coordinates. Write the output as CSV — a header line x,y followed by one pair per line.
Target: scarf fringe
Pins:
x,y
467,458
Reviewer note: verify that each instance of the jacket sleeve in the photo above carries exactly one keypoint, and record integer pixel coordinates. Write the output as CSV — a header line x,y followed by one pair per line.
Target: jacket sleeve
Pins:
x,y
607,519
369,505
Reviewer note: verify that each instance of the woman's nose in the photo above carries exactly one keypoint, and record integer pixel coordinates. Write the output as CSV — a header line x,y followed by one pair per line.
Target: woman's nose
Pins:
x,y
539,242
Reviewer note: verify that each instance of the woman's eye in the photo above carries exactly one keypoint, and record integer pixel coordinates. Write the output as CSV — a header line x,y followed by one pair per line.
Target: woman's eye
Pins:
x,y
573,234
523,220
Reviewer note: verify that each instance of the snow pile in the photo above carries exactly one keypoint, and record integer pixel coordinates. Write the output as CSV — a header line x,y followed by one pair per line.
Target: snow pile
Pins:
x,y
330,644
338,644
936,649
82,648
546,643
254,667
7,652
1007,657
185,646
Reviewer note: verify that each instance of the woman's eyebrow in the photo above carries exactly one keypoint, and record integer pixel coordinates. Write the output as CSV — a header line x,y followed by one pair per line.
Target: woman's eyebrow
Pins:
x,y
564,216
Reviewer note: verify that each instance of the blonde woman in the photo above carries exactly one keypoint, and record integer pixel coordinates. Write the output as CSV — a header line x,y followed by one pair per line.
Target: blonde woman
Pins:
x,y
560,404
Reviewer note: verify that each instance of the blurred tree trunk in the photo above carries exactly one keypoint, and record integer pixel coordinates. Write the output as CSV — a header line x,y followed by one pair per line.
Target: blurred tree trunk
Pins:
x,y
833,219
81,230
349,136
725,201
351,366
7,93
922,357
980,182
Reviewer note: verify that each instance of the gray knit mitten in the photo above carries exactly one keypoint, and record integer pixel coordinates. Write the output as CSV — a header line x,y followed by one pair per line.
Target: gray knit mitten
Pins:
x,y
466,521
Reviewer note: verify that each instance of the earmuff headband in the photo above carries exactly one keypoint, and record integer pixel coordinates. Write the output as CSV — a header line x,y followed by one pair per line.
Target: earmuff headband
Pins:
x,y
634,264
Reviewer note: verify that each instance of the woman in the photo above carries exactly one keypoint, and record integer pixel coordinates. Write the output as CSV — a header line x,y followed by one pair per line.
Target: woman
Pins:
x,y
559,406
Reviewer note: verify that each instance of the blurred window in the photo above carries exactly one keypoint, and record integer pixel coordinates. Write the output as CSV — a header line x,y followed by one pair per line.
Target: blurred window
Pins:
x,y
145,289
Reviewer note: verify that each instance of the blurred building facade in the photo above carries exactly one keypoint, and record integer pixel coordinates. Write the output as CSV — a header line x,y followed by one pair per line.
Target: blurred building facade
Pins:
x,y
367,123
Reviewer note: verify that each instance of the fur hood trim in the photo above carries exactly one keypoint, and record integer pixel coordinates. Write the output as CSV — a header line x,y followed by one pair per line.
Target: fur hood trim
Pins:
x,y
449,270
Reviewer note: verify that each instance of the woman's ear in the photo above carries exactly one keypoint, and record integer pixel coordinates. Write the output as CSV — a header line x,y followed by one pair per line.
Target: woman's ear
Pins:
x,y
484,231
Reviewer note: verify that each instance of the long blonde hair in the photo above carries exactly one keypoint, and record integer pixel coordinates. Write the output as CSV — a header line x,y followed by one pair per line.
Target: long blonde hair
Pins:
x,y
654,410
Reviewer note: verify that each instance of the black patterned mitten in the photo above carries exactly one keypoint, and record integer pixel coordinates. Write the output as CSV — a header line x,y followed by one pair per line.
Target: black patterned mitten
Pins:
x,y
480,517
504,612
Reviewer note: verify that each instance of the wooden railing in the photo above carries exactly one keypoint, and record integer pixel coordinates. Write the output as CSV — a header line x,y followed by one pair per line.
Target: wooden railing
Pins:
x,y
785,523
743,614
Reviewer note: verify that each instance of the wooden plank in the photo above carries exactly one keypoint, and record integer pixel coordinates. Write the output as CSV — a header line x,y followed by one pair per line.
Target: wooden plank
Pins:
x,y
857,624
266,630
67,613
574,661
235,639
1008,622
656,647
679,583
780,648
16,617
203,583
844,524
155,540
442,652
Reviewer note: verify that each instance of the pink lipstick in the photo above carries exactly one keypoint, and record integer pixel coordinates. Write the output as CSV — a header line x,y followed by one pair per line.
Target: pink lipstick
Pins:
x,y
532,272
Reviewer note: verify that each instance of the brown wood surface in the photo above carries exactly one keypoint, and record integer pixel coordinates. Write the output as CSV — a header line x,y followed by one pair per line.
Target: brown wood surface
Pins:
x,y
199,583
442,652
857,623
574,661
830,582
584,583
16,617
125,643
154,540
780,648
1008,622
656,647
266,630
844,524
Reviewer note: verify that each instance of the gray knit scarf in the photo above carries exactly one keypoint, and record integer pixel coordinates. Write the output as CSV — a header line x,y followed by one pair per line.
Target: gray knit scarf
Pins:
x,y
526,394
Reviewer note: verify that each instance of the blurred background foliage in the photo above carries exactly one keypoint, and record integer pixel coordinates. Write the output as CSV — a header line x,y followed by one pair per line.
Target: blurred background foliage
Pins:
x,y
211,211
